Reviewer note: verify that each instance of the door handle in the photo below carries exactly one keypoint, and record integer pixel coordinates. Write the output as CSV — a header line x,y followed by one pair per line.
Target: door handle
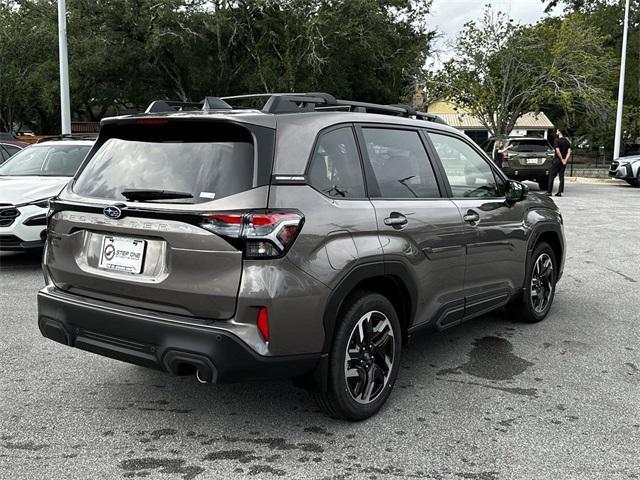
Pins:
x,y
471,217
395,220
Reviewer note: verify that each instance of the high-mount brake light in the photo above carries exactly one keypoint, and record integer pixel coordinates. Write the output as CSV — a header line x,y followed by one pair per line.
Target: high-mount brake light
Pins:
x,y
152,121
262,234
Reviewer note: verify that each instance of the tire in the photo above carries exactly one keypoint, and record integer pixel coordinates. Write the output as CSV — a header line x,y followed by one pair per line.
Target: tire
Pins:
x,y
358,386
543,184
536,300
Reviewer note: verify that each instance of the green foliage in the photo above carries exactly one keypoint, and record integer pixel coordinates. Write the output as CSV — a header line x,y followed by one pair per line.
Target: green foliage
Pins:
x,y
28,64
502,70
125,53
606,16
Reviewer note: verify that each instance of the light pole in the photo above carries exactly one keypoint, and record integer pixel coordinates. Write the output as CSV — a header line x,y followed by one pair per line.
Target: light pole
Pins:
x,y
65,108
623,61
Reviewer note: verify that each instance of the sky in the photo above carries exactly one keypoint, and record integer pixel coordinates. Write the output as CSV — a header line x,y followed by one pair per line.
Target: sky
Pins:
x,y
448,17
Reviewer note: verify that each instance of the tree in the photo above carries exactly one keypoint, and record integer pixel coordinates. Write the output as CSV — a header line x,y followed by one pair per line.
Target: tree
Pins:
x,y
29,88
502,70
607,16
125,53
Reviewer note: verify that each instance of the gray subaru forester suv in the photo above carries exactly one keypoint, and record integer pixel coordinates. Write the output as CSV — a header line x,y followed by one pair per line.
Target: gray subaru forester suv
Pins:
x,y
307,239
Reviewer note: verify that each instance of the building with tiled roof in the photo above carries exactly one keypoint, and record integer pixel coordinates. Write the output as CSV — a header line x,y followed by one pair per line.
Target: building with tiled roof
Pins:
x,y
532,124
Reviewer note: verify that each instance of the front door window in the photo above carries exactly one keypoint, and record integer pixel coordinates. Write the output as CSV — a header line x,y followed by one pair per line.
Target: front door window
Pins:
x,y
468,172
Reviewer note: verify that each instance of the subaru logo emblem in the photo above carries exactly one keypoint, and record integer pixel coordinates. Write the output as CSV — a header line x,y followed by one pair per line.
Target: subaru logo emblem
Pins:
x,y
112,212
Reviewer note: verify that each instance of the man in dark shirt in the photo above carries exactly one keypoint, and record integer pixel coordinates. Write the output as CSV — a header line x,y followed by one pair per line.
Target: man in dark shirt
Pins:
x,y
562,149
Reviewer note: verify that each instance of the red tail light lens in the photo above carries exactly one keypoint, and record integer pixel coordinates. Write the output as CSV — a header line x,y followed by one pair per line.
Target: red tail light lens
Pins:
x,y
226,224
263,323
263,234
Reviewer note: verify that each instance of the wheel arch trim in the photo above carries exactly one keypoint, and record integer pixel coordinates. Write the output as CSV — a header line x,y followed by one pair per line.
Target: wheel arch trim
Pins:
x,y
394,270
539,230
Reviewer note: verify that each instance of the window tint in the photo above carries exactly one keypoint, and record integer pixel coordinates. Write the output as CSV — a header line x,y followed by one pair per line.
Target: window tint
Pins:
x,y
335,168
3,154
400,164
467,171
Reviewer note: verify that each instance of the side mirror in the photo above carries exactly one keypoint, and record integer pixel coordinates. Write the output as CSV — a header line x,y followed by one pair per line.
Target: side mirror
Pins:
x,y
516,191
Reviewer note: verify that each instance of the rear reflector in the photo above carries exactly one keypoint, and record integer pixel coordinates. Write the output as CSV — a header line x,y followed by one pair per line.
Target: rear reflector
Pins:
x,y
263,323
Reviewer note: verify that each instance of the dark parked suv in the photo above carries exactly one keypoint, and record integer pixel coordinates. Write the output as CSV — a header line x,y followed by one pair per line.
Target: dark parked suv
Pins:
x,y
522,158
308,239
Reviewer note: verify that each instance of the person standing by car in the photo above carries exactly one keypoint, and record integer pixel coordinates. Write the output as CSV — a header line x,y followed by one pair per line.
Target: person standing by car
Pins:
x,y
562,150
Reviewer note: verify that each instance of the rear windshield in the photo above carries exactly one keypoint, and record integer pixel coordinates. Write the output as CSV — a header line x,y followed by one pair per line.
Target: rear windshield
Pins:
x,y
529,146
206,170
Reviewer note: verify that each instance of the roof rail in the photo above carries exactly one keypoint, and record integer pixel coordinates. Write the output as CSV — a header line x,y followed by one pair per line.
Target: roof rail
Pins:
x,y
209,103
160,106
287,102
293,103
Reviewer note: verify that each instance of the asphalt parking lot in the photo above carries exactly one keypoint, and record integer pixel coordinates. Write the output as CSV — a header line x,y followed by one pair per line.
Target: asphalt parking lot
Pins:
x,y
491,399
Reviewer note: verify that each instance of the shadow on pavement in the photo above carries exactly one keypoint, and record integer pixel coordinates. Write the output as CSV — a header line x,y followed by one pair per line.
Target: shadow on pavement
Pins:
x,y
428,357
20,260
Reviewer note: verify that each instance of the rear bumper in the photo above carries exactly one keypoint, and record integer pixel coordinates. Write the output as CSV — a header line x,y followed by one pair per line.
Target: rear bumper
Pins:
x,y
149,340
526,173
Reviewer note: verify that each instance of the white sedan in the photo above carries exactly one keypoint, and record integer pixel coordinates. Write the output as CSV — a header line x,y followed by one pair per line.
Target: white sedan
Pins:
x,y
27,181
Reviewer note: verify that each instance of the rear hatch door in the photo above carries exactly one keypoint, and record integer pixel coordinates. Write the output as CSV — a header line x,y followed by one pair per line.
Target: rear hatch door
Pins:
x,y
128,229
530,153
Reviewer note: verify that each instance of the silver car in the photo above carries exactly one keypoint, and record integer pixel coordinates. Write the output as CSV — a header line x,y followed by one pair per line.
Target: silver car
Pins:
x,y
309,239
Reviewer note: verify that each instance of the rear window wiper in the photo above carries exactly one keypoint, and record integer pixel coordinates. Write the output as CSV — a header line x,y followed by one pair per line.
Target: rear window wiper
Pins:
x,y
150,194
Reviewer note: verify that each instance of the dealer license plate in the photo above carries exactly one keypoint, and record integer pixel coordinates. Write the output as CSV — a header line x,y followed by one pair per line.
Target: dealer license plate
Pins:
x,y
122,254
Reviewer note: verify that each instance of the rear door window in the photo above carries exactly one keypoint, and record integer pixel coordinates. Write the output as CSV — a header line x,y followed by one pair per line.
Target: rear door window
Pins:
x,y
335,168
400,163
207,170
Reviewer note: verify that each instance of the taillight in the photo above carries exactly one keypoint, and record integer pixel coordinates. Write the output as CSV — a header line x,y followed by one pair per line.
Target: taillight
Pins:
x,y
262,234
505,159
225,224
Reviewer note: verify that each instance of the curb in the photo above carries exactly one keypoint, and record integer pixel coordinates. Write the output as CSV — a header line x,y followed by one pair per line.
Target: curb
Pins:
x,y
607,181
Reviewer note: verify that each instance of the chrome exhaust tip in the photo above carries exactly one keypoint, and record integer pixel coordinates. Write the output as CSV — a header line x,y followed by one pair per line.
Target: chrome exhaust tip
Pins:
x,y
203,378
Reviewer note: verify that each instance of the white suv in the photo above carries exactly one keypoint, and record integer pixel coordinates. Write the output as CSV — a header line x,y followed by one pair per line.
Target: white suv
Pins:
x,y
627,169
27,181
